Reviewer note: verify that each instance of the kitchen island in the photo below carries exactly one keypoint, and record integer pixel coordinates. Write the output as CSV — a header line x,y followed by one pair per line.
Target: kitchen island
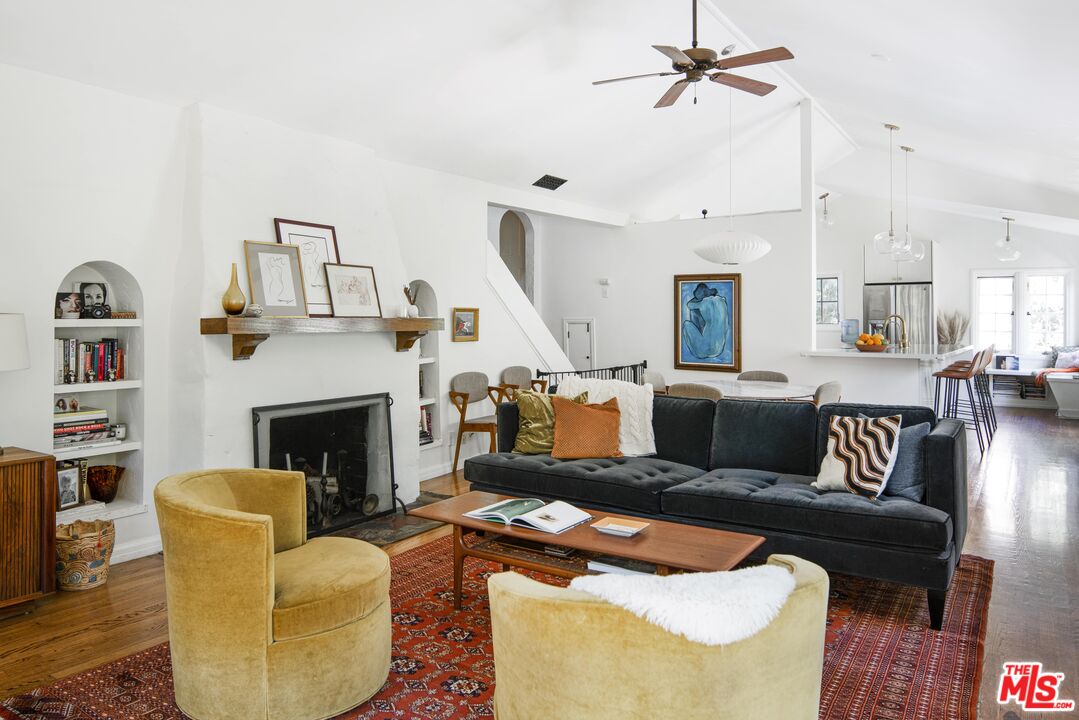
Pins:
x,y
898,376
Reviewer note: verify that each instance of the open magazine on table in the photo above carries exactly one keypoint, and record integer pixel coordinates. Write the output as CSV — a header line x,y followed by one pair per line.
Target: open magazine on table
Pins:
x,y
554,517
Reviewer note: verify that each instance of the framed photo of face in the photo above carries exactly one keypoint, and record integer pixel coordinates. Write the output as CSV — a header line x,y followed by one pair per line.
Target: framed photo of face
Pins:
x,y
318,246
67,487
708,322
275,278
68,306
466,325
353,292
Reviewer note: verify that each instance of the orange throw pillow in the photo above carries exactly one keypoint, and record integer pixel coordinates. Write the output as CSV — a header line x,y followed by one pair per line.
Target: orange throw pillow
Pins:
x,y
585,431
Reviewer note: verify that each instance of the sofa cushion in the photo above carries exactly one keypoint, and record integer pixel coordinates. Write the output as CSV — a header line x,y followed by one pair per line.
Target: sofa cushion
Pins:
x,y
683,428
764,434
910,414
777,501
585,430
326,583
633,483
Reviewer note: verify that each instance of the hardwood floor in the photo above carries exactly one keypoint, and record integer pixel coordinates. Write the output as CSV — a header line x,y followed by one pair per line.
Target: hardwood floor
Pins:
x,y
1024,513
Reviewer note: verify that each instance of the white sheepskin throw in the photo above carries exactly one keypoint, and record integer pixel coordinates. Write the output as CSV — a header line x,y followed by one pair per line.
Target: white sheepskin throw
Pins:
x,y
715,608
635,434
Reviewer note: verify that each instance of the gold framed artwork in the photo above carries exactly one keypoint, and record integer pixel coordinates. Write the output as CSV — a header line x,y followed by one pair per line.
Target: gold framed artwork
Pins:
x,y
708,322
275,278
353,291
466,325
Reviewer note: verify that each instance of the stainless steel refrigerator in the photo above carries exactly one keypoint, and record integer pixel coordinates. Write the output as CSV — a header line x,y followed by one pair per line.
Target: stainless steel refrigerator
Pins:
x,y
912,301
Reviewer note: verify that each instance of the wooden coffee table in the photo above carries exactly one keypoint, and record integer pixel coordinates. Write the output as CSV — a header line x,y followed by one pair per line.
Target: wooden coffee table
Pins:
x,y
667,545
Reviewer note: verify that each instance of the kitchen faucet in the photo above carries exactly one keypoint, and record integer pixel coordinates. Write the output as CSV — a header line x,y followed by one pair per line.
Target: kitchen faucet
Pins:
x,y
903,344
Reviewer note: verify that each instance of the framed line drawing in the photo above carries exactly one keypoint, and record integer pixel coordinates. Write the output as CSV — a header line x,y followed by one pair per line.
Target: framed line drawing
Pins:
x,y
318,246
353,291
708,322
275,278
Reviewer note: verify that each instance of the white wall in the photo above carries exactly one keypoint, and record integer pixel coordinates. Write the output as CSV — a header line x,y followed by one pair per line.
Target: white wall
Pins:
x,y
961,244
90,175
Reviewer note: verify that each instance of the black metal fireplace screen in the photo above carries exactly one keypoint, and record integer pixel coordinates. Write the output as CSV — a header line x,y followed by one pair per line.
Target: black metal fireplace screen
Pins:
x,y
343,447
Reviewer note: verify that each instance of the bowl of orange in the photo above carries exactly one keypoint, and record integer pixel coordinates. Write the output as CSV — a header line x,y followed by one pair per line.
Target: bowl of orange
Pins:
x,y
871,343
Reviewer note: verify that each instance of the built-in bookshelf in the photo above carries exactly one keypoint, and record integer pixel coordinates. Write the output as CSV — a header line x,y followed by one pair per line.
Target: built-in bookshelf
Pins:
x,y
122,399
430,431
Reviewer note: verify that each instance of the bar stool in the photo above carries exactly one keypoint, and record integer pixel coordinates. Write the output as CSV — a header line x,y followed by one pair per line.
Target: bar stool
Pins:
x,y
953,377
982,386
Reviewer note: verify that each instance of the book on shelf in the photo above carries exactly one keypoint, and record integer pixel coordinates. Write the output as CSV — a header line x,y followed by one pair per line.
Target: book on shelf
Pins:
x,y
82,362
85,413
532,513
620,566
87,445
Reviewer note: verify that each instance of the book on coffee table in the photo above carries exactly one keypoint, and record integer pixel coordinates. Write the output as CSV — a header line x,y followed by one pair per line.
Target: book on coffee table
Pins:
x,y
554,517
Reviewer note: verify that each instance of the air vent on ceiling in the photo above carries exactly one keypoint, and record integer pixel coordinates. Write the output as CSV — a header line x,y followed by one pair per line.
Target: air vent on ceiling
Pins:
x,y
550,182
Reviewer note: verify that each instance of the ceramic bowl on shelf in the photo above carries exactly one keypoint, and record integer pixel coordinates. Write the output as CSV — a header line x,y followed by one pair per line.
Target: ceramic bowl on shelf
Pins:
x,y
104,481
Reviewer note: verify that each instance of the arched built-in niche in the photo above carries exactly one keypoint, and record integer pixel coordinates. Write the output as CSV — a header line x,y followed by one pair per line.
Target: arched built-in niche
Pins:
x,y
430,389
516,247
121,399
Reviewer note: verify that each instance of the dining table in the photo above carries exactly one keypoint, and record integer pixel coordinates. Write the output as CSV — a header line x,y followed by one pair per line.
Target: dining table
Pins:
x,y
761,389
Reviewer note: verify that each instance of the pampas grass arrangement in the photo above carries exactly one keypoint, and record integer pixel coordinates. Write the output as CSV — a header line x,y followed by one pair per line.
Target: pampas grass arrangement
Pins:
x,y
952,327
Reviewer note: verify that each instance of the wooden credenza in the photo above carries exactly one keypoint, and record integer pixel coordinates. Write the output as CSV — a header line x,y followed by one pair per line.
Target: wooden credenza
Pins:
x,y
27,526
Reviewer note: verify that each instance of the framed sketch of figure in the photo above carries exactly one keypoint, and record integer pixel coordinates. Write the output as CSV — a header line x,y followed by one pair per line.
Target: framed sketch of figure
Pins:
x,y
708,322
318,246
275,278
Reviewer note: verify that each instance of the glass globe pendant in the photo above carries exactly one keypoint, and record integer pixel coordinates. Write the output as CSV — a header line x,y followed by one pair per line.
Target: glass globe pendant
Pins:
x,y
915,250
732,247
1006,251
888,242
824,218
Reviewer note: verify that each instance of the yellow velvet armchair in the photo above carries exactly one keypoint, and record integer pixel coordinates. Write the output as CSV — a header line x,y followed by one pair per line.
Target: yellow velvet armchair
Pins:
x,y
565,654
263,623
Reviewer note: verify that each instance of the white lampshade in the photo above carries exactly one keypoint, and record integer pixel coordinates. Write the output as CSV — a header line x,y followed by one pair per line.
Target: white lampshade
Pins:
x,y
732,247
14,351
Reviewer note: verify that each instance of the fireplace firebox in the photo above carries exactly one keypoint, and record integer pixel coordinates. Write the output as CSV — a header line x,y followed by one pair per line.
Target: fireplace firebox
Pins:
x,y
344,448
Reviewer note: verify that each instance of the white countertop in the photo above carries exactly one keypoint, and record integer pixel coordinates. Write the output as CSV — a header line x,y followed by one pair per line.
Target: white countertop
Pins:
x,y
914,352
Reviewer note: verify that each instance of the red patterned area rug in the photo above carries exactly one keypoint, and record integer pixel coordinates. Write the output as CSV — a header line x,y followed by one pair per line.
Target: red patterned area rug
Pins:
x,y
881,661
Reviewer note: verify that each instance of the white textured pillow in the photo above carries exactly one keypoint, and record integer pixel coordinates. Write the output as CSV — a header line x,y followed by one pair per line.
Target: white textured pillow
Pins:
x,y
635,434
713,608
861,454
1068,359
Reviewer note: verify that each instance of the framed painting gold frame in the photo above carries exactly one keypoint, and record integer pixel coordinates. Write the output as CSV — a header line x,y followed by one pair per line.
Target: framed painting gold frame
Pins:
x,y
466,325
708,322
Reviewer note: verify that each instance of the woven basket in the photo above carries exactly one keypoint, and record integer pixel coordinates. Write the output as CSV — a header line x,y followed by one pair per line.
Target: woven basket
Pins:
x,y
83,551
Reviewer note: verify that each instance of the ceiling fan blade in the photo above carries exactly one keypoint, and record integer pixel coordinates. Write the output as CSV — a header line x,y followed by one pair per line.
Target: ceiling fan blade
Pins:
x,y
634,77
677,56
742,83
672,94
754,58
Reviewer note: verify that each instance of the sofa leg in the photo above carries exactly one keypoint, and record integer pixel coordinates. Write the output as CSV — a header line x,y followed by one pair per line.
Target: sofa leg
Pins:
x,y
936,608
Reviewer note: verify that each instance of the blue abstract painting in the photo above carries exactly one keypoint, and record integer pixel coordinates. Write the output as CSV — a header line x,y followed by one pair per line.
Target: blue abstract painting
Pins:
x,y
707,326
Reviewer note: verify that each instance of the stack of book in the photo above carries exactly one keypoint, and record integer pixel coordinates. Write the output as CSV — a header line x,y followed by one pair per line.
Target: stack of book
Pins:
x,y
426,436
84,428
82,362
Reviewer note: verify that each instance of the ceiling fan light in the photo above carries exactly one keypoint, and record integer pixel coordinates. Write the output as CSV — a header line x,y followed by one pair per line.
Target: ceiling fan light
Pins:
x,y
732,247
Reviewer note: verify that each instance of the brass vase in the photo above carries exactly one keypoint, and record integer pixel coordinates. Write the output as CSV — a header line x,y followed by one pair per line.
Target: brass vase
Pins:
x,y
233,300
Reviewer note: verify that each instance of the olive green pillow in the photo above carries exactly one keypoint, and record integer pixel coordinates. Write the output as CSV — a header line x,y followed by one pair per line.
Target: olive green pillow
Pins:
x,y
535,434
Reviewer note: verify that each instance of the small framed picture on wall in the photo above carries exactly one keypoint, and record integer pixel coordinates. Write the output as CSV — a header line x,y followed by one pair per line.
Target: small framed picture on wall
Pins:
x,y
275,278
466,325
67,487
318,246
353,292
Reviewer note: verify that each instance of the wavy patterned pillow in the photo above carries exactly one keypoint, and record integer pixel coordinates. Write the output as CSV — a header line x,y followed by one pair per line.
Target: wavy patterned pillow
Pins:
x,y
861,454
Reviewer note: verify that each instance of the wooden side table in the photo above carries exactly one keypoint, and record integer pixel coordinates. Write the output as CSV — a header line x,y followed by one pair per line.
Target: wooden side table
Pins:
x,y
27,527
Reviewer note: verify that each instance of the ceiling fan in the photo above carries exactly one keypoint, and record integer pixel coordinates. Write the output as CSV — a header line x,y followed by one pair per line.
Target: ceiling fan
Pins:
x,y
697,62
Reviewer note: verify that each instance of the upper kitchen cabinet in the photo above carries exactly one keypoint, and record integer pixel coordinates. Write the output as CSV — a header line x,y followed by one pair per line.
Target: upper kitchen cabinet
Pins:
x,y
882,269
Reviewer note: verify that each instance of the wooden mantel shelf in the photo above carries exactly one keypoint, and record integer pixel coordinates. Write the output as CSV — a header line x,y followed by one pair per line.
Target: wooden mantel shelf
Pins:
x,y
247,333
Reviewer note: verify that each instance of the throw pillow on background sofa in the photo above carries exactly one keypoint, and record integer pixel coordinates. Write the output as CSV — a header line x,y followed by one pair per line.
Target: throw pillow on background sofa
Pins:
x,y
535,432
585,431
908,476
861,454
635,433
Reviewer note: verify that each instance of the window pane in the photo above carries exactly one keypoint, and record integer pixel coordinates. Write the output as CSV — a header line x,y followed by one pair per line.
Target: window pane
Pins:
x,y
831,289
831,312
819,314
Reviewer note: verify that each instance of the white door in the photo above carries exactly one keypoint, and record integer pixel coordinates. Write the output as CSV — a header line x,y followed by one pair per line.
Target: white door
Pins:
x,y
578,344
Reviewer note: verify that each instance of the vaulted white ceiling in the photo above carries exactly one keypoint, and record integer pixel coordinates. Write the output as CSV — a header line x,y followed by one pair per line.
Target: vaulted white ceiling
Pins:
x,y
489,89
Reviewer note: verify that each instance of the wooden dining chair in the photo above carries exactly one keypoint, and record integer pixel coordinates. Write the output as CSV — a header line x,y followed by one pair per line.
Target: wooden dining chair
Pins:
x,y
765,375
467,389
519,377
695,390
